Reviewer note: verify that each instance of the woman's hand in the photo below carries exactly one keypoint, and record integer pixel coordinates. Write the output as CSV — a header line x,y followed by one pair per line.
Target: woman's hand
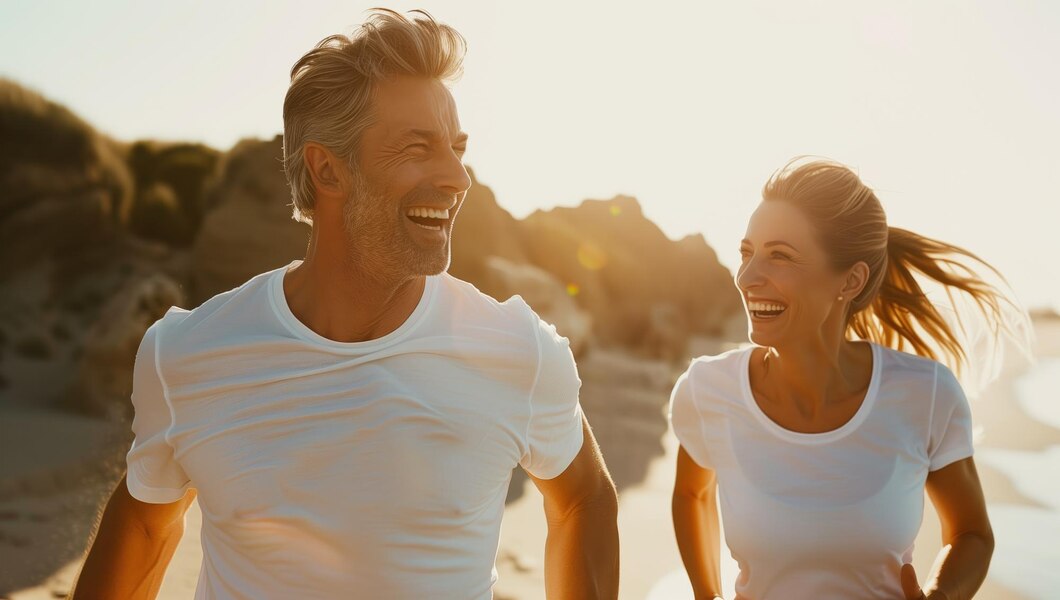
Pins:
x,y
911,586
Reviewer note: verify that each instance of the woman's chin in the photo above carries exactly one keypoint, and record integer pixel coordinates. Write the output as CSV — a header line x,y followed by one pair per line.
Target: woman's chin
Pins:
x,y
762,338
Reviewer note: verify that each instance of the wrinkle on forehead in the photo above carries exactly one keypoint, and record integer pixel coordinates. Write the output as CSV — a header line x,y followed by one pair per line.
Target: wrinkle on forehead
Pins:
x,y
403,104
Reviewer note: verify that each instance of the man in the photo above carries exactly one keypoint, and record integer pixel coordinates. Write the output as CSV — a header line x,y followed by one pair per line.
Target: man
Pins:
x,y
350,422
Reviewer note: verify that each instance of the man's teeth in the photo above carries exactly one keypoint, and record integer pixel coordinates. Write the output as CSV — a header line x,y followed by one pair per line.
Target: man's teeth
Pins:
x,y
764,307
428,213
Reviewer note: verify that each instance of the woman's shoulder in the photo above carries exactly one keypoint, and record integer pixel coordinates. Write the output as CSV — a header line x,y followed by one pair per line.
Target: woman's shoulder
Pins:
x,y
898,364
926,377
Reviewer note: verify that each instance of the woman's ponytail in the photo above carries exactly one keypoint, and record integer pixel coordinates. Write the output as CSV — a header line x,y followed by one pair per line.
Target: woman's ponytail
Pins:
x,y
901,315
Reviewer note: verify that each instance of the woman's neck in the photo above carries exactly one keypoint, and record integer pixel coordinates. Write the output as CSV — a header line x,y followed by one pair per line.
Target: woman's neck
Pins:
x,y
812,375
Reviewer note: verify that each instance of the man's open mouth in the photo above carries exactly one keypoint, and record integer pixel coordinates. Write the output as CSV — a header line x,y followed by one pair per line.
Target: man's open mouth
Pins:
x,y
765,310
428,218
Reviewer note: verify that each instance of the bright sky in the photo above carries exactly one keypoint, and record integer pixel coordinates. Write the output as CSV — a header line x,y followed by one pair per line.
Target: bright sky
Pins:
x,y
949,109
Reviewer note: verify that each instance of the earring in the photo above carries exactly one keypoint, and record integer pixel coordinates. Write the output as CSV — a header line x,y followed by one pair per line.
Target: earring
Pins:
x,y
840,298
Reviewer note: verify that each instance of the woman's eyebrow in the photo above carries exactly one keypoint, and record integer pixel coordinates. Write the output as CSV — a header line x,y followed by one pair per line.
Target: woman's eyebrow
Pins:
x,y
747,242
780,243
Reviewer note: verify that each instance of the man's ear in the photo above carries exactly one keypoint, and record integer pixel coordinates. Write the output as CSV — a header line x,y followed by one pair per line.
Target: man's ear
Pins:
x,y
325,170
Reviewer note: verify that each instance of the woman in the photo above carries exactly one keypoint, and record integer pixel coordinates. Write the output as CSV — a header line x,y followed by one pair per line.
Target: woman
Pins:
x,y
823,436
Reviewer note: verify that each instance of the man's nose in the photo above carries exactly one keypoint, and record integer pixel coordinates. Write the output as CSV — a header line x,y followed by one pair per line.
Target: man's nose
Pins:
x,y
452,175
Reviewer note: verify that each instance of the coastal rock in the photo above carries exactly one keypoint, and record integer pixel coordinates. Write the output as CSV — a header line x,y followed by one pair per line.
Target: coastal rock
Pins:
x,y
250,231
104,380
645,291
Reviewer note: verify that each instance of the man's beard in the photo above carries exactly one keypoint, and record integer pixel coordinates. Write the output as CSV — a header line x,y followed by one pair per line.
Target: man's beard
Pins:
x,y
378,240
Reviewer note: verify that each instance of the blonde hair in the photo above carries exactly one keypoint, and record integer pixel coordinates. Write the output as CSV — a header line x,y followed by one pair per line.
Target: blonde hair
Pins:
x,y
892,309
329,100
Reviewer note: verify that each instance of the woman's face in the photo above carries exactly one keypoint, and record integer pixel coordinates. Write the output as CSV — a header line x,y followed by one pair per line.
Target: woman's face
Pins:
x,y
789,287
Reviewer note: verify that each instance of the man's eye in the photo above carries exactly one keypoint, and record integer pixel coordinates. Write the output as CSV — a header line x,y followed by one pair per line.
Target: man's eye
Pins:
x,y
417,147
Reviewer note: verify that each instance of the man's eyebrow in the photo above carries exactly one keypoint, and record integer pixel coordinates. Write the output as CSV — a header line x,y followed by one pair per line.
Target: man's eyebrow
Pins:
x,y
432,135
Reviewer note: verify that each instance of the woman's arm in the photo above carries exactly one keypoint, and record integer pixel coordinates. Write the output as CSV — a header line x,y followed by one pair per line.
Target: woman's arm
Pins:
x,y
967,539
695,512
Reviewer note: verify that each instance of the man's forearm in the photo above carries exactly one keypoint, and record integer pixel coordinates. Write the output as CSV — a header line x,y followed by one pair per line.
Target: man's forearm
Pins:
x,y
131,569
126,559
581,552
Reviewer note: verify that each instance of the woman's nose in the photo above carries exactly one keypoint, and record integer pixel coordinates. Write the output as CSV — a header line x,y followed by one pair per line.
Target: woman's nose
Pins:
x,y
748,275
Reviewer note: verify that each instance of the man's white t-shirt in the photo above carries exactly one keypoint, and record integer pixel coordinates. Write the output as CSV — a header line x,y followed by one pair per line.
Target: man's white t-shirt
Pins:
x,y
374,469
829,515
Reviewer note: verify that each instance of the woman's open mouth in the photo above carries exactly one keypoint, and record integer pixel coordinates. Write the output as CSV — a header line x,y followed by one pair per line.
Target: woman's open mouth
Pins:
x,y
765,310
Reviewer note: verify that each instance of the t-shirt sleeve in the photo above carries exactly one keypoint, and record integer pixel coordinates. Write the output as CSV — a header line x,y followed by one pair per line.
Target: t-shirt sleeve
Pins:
x,y
554,433
951,422
686,420
154,475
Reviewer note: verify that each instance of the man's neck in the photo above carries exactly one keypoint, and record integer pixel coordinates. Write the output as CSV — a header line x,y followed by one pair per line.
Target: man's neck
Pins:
x,y
340,301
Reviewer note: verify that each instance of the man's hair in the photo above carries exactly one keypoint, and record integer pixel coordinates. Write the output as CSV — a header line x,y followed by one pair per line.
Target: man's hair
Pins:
x,y
329,100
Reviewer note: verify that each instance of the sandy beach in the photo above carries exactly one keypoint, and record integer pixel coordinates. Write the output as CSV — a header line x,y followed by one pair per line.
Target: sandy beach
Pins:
x,y
48,507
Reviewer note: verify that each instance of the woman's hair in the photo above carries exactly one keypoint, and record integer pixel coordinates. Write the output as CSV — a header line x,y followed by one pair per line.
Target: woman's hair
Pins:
x,y
893,309
329,100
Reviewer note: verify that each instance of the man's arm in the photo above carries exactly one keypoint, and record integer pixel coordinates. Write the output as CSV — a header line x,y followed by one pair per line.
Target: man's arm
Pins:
x,y
132,548
581,508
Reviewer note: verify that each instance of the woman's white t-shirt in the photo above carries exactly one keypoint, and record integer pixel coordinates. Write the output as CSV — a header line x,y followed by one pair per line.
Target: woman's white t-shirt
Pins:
x,y
374,469
823,515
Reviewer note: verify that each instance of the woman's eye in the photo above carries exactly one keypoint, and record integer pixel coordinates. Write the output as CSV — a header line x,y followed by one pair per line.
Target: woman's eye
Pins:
x,y
781,256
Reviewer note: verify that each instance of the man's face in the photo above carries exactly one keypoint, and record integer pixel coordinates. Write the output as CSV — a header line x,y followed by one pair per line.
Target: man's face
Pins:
x,y
409,181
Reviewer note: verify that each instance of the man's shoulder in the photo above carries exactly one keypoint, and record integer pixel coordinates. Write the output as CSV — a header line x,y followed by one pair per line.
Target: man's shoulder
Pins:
x,y
469,301
219,314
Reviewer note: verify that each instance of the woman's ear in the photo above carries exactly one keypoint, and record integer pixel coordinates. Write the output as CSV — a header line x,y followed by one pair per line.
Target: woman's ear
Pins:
x,y
856,280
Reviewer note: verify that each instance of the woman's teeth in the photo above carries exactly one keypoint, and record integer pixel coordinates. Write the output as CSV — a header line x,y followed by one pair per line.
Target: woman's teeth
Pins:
x,y
765,309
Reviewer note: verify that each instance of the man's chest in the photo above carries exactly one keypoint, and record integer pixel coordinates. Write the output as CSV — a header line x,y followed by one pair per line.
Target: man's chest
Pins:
x,y
371,442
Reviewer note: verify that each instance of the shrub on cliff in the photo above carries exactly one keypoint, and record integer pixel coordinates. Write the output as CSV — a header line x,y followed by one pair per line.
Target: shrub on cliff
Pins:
x,y
186,170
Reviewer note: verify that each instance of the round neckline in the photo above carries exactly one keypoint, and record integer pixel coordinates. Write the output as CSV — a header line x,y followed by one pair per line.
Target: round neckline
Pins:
x,y
283,312
823,437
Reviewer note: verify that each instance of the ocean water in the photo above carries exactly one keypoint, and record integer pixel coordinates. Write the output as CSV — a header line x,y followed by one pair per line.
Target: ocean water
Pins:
x,y
1039,391
1027,554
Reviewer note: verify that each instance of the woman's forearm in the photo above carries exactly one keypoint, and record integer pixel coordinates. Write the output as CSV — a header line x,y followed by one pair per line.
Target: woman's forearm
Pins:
x,y
961,567
699,540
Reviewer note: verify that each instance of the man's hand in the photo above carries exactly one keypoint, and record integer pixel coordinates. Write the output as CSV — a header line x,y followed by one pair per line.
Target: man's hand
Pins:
x,y
581,507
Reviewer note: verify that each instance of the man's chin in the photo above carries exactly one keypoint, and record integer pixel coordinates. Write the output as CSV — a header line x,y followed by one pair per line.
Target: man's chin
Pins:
x,y
433,263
